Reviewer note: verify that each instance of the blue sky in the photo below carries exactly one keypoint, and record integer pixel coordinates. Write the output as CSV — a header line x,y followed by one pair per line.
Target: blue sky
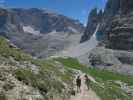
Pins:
x,y
77,9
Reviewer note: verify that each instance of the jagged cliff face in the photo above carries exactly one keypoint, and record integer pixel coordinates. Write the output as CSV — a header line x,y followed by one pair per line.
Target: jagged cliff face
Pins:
x,y
43,20
112,7
126,6
119,33
118,7
93,19
116,25
39,32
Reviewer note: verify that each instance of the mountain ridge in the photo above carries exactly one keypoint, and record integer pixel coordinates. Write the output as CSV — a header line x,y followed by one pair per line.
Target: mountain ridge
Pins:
x,y
38,32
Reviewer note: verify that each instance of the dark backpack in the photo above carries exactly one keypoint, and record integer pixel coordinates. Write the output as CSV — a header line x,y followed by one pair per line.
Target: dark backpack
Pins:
x,y
78,81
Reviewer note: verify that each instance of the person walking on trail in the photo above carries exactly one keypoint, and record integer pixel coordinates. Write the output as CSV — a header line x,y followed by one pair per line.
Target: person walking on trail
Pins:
x,y
87,81
78,83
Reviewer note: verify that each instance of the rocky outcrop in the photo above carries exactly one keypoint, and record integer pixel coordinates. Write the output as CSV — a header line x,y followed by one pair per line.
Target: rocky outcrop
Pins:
x,y
102,56
126,6
115,25
111,57
118,32
104,18
115,60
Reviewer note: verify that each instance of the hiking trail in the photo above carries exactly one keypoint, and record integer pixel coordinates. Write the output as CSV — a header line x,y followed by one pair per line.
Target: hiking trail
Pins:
x,y
85,93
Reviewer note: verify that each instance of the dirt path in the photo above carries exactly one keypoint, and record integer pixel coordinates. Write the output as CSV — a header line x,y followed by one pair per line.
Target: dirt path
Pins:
x,y
85,94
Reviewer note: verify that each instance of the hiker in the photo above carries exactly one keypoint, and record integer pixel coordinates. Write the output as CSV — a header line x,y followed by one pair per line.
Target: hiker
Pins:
x,y
87,81
78,83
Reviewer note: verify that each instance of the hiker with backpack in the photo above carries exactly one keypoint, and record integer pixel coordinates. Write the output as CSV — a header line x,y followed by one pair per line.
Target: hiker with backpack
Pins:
x,y
87,81
78,83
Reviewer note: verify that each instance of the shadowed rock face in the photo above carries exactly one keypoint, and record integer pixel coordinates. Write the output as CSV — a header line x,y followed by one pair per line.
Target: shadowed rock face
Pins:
x,y
3,21
112,7
3,17
120,34
126,6
116,25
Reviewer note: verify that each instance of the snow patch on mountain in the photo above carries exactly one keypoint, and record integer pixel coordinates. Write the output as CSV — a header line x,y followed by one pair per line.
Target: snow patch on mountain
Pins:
x,y
29,29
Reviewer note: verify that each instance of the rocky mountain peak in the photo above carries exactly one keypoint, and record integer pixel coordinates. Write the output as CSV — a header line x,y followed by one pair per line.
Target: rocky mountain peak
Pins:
x,y
115,24
93,19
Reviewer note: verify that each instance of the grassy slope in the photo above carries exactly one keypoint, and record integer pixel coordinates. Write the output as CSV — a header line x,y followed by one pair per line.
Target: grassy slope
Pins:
x,y
43,80
111,90
3,97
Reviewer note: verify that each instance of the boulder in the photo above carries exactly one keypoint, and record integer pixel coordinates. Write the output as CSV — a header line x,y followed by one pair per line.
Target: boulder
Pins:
x,y
102,56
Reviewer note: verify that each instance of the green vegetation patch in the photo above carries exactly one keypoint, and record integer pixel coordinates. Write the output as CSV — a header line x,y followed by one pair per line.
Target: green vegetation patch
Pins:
x,y
98,74
41,81
71,63
2,97
50,66
105,75
110,92
7,51
49,76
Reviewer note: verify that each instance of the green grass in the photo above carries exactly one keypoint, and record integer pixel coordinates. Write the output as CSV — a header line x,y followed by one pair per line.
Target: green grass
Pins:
x,y
103,75
41,81
111,90
44,80
2,97
70,62
50,76
51,66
